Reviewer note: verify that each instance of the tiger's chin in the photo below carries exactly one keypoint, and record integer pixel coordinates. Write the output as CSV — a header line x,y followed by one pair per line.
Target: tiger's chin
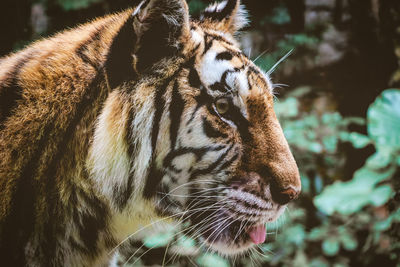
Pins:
x,y
227,245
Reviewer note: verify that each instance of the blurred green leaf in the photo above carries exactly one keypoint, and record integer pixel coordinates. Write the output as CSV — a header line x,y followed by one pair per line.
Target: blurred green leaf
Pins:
x,y
280,16
212,260
158,240
300,259
381,195
380,159
355,120
330,246
296,234
358,140
352,196
300,91
331,118
317,234
196,6
305,183
384,120
398,160
287,108
383,225
315,147
76,4
319,262
318,184
330,143
348,242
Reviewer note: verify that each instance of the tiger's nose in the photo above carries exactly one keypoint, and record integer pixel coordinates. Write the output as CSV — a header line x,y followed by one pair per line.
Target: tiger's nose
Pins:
x,y
283,195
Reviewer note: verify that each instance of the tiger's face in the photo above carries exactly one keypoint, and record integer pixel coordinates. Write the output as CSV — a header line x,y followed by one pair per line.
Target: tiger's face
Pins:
x,y
224,163
203,143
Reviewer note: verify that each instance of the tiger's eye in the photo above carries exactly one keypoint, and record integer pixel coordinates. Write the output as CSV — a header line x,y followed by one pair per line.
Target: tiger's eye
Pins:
x,y
222,105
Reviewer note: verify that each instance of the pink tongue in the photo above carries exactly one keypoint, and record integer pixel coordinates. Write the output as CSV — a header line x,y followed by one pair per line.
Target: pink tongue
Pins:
x,y
257,234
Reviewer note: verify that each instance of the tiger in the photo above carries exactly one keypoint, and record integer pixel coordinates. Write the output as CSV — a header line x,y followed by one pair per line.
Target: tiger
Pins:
x,y
137,117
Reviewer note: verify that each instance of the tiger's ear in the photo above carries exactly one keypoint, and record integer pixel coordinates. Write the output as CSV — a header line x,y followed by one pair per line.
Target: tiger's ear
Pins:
x,y
162,27
227,16
156,29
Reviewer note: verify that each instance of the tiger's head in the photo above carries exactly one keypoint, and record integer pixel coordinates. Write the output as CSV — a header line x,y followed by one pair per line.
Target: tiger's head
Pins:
x,y
203,143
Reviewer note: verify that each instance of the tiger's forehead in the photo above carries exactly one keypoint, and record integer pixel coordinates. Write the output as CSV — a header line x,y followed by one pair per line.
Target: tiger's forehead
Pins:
x,y
223,68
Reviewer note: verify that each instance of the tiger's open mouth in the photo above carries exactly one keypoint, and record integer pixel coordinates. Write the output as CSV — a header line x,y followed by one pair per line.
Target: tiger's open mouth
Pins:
x,y
235,238
236,224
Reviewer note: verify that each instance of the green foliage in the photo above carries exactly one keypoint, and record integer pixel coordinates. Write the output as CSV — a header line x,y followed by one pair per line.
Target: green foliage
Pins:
x,y
159,239
363,189
384,121
196,6
212,260
280,15
76,4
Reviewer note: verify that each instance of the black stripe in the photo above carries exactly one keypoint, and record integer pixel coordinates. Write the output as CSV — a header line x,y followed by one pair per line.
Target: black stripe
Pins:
x,y
236,116
194,78
226,55
90,222
8,101
202,99
9,95
229,162
198,152
218,86
82,49
122,195
175,113
242,124
210,168
155,177
253,69
159,104
210,131
218,38
207,44
248,80
222,85
225,74
209,39
153,181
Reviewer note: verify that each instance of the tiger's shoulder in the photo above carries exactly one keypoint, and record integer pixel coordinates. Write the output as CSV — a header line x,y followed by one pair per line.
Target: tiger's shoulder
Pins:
x,y
50,95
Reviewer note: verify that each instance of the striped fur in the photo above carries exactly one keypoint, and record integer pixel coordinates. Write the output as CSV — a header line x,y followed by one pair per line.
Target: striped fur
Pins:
x,y
104,127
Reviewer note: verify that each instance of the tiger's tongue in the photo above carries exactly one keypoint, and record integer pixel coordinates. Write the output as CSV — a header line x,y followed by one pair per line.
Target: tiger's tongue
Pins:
x,y
257,234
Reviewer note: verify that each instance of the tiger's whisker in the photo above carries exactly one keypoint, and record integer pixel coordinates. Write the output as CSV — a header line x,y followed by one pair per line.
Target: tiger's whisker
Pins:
x,y
271,70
